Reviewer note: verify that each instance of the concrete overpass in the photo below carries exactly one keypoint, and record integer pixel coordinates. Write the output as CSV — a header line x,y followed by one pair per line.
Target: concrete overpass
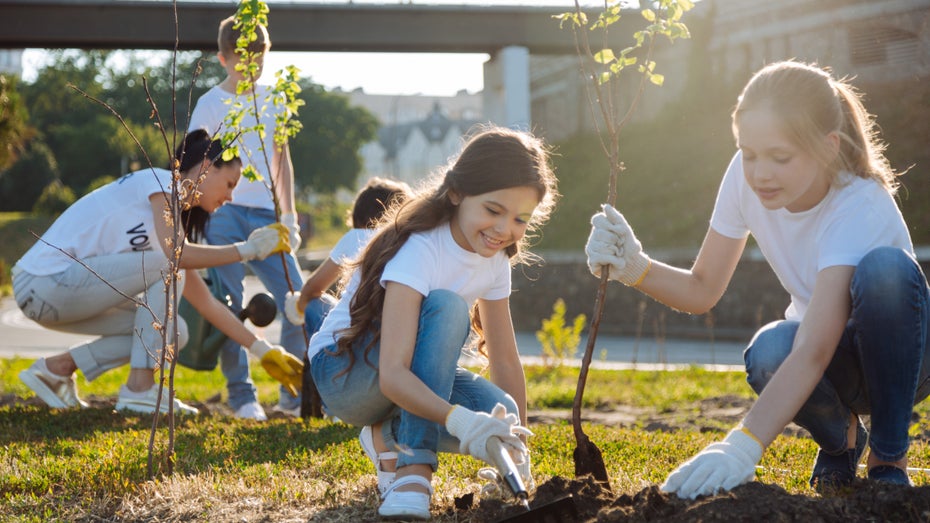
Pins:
x,y
508,33
303,26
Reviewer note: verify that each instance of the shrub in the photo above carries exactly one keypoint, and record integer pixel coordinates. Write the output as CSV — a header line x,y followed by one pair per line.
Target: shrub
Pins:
x,y
559,341
55,198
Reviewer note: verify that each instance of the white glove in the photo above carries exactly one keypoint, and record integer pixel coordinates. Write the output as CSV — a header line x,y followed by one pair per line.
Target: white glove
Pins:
x,y
612,243
495,487
291,311
474,428
719,467
262,242
289,220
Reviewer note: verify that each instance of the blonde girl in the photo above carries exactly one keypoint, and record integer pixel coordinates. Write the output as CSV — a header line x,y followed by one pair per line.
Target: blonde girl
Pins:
x,y
811,184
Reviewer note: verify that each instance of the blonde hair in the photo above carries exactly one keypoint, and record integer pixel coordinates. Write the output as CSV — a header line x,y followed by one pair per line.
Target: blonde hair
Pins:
x,y
228,35
811,104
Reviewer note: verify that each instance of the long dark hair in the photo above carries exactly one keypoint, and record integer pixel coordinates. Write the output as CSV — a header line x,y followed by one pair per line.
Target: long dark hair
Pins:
x,y
495,158
190,154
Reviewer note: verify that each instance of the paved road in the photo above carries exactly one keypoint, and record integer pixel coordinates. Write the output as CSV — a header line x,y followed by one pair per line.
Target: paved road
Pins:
x,y
20,336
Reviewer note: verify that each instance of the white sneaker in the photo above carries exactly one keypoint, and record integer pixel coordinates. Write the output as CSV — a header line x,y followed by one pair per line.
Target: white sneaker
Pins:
x,y
58,392
251,410
144,402
406,505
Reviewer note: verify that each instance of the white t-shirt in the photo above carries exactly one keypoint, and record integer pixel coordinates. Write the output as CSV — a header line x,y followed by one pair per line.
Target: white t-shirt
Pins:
x,y
350,245
850,221
114,218
428,261
210,111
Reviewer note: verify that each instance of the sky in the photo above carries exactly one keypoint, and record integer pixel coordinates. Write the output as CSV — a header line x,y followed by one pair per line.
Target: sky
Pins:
x,y
377,73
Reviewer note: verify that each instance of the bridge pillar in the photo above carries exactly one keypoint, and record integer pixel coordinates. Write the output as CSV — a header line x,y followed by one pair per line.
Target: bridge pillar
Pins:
x,y
507,88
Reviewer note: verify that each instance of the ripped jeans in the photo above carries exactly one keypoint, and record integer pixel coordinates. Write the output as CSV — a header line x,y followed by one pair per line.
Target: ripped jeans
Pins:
x,y
881,366
355,396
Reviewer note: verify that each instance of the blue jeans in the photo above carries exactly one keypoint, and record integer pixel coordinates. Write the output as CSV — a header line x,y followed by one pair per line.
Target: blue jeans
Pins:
x,y
316,312
355,396
881,366
233,223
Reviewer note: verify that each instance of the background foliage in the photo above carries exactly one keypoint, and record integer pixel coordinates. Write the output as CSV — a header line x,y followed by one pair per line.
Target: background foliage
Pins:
x,y
69,138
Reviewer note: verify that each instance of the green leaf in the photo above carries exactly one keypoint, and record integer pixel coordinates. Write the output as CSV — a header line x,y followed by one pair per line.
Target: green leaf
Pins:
x,y
603,78
649,15
657,79
604,56
251,174
576,19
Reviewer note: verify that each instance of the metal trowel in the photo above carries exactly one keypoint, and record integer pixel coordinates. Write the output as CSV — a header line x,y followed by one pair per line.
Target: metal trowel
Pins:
x,y
560,510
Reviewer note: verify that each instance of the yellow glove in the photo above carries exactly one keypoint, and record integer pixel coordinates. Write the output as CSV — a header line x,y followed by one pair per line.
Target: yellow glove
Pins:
x,y
284,235
264,242
280,365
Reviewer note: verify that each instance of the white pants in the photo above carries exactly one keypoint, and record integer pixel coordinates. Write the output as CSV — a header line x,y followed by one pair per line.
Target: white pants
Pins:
x,y
78,301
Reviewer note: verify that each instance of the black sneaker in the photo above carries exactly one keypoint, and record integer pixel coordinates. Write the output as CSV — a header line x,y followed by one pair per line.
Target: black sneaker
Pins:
x,y
833,472
890,475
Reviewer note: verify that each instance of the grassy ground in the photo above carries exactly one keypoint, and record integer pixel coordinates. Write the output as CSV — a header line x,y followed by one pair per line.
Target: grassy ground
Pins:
x,y
90,465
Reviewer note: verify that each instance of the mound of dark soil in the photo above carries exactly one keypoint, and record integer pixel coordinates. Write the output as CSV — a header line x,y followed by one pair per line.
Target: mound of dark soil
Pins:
x,y
864,501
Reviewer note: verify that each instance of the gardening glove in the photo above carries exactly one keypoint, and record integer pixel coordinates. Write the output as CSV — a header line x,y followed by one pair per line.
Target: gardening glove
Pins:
x,y
474,428
496,487
280,365
719,467
263,242
613,244
289,220
292,310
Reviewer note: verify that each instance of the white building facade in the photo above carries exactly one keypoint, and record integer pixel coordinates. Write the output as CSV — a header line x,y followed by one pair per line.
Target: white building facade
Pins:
x,y
418,134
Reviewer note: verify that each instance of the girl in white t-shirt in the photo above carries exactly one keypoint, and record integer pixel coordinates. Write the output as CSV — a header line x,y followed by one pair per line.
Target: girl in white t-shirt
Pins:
x,y
811,184
386,357
311,305
111,246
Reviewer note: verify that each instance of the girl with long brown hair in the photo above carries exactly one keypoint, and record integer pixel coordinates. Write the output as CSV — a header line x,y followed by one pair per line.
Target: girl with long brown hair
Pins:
x,y
386,357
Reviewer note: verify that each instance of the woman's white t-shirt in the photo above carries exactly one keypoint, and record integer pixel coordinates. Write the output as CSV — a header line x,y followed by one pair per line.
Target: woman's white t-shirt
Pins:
x,y
428,261
114,218
854,218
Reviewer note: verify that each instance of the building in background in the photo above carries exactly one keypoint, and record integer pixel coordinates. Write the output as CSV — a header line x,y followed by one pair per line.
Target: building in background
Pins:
x,y
11,61
874,41
418,133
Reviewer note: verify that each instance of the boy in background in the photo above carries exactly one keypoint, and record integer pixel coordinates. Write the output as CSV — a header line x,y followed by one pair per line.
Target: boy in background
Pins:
x,y
252,207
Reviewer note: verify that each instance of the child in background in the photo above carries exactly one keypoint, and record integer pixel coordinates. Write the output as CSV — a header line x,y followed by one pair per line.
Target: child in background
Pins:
x,y
114,231
252,207
448,250
811,184
311,304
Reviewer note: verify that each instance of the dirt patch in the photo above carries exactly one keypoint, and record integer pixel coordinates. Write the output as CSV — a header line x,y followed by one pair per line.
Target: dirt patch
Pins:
x,y
863,501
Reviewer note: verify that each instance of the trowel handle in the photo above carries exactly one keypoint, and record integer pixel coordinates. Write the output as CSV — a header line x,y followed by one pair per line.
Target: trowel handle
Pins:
x,y
505,466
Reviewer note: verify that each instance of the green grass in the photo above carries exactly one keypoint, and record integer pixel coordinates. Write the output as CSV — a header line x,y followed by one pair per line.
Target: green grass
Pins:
x,y
91,464
16,237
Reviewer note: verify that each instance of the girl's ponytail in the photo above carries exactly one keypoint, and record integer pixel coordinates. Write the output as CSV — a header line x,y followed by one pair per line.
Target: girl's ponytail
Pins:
x,y
862,152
